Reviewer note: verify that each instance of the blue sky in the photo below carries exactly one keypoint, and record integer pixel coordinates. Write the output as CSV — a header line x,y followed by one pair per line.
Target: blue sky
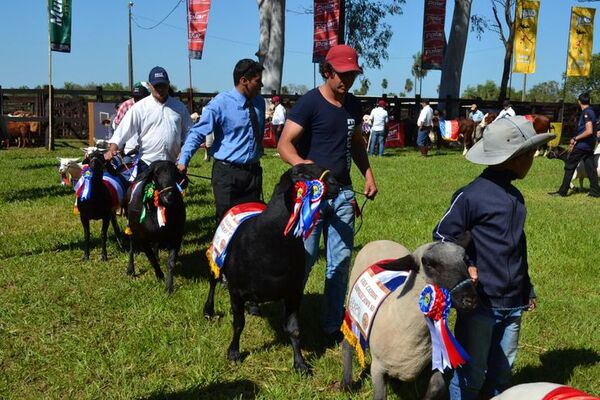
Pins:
x,y
99,44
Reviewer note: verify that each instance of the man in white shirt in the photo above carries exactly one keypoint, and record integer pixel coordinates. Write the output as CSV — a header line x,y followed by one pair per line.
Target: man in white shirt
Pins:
x,y
160,121
379,120
507,111
278,119
424,124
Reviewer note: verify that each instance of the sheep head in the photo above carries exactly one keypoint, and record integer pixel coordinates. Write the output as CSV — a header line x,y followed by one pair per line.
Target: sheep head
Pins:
x,y
444,265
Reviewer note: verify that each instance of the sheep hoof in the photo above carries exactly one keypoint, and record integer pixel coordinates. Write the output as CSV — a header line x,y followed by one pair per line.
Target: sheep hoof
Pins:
x,y
234,356
302,369
104,257
209,312
85,257
252,309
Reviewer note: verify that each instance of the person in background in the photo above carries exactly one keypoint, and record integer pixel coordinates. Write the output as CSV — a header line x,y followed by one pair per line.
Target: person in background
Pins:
x,y
493,211
582,147
506,111
278,119
476,116
324,127
160,121
424,123
379,122
139,92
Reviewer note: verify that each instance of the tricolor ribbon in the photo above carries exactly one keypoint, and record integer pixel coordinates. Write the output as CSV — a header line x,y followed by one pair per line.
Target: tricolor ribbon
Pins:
x,y
446,352
161,215
83,188
306,208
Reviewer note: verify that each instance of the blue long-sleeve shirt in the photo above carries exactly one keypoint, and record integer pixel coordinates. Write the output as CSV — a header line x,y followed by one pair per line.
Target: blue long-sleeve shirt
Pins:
x,y
226,117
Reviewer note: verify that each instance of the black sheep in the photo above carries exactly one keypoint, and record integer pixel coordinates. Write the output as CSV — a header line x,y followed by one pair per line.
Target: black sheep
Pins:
x,y
263,264
154,196
96,201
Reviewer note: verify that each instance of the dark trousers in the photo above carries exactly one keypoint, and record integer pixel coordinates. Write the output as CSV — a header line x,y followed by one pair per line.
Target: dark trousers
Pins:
x,y
589,163
235,184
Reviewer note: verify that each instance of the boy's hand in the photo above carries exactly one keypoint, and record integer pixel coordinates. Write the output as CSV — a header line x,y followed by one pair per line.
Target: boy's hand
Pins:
x,y
472,270
532,304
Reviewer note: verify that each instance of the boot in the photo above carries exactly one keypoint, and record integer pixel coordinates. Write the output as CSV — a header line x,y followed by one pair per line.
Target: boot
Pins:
x,y
423,150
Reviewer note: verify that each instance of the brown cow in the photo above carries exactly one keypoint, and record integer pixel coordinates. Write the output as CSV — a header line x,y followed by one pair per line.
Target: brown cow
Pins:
x,y
21,131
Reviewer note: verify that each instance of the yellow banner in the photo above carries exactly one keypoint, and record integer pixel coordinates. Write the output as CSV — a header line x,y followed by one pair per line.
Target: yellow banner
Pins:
x,y
581,37
526,23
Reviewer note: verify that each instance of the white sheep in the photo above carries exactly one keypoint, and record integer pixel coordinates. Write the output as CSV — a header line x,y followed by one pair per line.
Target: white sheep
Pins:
x,y
399,343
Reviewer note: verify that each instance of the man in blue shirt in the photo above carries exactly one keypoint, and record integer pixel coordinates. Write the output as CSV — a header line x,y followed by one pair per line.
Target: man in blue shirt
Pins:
x,y
582,149
476,116
237,118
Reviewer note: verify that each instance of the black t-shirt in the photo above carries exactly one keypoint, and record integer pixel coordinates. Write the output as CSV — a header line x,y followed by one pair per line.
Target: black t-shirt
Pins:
x,y
589,142
327,136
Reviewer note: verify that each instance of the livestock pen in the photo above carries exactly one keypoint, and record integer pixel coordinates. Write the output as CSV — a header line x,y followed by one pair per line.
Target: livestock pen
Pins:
x,y
74,329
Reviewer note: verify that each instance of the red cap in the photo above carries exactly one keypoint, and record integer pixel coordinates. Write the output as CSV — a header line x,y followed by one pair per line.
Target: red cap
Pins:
x,y
381,103
275,99
343,59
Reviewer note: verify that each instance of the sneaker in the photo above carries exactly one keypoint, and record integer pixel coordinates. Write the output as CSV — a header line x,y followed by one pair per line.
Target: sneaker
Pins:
x,y
593,195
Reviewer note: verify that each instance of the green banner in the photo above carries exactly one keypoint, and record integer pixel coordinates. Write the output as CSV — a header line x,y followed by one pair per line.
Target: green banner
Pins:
x,y
59,23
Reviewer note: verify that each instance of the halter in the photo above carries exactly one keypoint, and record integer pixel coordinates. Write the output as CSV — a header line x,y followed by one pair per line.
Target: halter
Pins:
x,y
324,174
460,284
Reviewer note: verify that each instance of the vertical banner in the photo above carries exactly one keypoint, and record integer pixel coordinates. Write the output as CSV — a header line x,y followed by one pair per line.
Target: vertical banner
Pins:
x,y
327,22
434,37
197,24
581,37
59,24
526,22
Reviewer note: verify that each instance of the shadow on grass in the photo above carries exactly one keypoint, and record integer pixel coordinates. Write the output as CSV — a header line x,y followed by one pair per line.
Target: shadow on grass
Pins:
x,y
242,389
36,193
557,366
39,165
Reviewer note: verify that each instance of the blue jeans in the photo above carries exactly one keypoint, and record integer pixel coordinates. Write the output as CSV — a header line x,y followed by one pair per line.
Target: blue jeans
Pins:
x,y
337,224
490,337
423,137
379,137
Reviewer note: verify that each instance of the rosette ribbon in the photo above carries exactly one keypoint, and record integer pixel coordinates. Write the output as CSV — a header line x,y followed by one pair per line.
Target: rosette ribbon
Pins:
x,y
446,352
306,208
83,189
161,214
147,196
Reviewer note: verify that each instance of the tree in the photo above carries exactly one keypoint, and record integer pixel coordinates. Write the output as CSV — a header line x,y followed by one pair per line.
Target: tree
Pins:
x,y
366,30
384,84
293,88
408,85
271,42
487,91
365,84
579,84
549,92
417,70
503,25
455,55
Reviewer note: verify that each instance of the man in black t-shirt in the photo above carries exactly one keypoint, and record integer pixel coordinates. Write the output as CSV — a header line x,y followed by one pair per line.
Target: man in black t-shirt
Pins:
x,y
582,149
324,127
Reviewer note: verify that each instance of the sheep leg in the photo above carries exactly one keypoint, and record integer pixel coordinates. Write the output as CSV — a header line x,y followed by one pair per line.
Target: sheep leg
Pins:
x,y
436,388
170,267
239,321
117,230
292,327
105,222
347,363
130,267
86,237
209,305
379,382
153,261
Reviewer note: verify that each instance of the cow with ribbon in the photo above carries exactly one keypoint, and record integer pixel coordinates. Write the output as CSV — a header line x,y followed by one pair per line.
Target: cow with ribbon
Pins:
x,y
398,308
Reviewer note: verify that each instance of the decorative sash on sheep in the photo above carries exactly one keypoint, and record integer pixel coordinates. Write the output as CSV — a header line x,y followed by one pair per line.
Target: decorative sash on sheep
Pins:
x,y
446,352
366,295
116,188
568,393
306,207
449,130
217,251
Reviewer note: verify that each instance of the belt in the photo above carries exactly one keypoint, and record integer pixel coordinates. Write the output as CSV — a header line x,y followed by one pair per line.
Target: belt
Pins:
x,y
247,166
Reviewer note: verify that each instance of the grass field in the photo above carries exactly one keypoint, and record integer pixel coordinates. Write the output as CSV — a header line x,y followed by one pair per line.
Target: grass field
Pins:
x,y
83,330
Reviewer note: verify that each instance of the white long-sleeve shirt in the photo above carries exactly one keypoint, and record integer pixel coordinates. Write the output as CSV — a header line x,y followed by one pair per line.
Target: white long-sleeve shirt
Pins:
x,y
508,112
379,117
161,128
425,117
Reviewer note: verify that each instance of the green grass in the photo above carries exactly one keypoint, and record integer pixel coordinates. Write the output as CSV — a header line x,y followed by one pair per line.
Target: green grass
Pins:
x,y
84,330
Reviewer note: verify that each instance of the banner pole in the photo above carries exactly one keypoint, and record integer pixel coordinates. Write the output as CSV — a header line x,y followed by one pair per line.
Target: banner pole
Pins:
x,y
564,94
190,89
50,139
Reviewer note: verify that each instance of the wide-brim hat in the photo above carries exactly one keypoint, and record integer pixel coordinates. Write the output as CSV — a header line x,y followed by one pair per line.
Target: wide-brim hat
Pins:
x,y
506,139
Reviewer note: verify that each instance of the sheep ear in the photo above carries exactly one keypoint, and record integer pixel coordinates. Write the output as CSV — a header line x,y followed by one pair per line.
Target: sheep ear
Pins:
x,y
406,263
464,240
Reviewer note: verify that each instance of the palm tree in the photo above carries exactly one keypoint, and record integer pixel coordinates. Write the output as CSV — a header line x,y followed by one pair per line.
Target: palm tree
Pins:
x,y
417,70
408,85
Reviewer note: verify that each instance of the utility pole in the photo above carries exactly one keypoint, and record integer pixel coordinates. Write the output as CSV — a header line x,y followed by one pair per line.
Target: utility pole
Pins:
x,y
129,50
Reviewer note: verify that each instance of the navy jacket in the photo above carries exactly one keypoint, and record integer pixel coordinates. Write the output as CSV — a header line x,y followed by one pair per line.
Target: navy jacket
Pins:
x,y
493,210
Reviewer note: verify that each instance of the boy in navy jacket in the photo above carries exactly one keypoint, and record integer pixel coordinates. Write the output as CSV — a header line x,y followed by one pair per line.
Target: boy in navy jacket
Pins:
x,y
493,211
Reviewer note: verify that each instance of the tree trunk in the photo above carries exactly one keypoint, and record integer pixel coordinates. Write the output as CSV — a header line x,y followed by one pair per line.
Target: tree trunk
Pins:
x,y
507,61
272,42
455,56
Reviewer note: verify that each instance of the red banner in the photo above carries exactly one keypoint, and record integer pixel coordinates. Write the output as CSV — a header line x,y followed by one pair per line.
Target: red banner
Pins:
x,y
197,23
395,136
327,18
434,37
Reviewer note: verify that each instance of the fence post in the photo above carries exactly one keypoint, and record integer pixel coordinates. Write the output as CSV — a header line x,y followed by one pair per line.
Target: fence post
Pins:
x,y
1,101
99,95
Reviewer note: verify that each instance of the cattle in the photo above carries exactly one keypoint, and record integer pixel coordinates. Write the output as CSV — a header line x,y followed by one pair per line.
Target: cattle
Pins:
x,y
399,342
21,131
263,264
156,216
